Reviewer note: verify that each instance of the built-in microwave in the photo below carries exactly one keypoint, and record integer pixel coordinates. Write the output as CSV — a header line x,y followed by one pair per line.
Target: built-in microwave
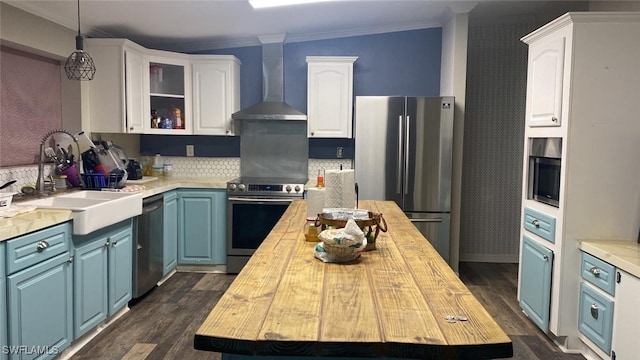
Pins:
x,y
545,163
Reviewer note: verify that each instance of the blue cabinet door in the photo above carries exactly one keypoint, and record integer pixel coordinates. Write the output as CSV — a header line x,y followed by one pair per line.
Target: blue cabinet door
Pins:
x,y
201,227
170,248
3,308
120,267
90,285
535,282
40,308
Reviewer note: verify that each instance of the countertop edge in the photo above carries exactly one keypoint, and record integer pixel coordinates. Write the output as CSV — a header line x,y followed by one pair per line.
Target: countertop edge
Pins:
x,y
623,254
38,219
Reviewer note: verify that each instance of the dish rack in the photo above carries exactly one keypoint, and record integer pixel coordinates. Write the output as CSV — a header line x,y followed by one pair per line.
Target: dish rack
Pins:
x,y
98,181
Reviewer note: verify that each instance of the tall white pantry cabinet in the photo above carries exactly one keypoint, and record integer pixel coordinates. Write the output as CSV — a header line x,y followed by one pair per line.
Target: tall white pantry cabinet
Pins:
x,y
583,86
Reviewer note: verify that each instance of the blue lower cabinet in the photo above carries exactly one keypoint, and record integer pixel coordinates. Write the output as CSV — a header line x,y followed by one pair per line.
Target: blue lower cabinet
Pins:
x,y
170,248
3,309
536,266
103,275
40,305
595,319
90,286
202,227
120,268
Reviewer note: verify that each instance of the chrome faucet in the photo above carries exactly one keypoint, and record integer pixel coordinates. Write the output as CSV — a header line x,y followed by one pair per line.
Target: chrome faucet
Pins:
x,y
41,183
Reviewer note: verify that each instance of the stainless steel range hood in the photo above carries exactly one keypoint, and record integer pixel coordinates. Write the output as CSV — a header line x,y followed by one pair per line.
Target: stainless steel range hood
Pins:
x,y
273,106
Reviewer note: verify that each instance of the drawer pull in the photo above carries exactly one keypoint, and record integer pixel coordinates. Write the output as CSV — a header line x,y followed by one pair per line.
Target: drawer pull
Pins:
x,y
554,119
595,271
536,223
545,257
594,311
42,245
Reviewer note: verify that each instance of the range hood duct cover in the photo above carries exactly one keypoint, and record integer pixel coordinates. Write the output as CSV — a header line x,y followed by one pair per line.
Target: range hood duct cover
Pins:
x,y
273,106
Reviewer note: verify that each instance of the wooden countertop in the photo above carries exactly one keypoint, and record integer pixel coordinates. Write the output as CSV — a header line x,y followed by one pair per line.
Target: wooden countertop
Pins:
x,y
390,302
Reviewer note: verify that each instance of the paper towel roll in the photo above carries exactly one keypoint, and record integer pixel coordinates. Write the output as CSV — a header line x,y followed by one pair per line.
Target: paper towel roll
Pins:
x,y
340,185
315,201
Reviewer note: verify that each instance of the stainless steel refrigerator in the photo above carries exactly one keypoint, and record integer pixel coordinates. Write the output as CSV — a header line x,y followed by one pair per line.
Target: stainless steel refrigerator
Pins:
x,y
403,152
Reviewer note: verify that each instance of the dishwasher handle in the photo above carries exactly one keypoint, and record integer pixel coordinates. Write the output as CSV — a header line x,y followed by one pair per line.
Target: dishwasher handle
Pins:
x,y
152,203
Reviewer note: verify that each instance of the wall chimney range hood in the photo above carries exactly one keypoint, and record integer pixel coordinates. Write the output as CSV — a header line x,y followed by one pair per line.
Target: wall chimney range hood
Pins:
x,y
273,106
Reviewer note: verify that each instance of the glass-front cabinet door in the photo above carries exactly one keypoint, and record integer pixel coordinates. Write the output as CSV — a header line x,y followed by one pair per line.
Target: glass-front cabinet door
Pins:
x,y
169,106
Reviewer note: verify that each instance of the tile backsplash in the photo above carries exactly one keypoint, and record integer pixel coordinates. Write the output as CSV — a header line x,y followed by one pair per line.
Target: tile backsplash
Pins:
x,y
182,167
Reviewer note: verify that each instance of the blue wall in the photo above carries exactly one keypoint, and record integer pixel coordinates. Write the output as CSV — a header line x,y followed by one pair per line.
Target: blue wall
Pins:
x,y
405,63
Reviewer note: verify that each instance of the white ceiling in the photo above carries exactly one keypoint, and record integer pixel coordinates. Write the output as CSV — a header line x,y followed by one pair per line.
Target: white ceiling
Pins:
x,y
192,25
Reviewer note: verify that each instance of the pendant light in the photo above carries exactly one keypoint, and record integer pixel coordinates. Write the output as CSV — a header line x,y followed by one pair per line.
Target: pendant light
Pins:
x,y
79,65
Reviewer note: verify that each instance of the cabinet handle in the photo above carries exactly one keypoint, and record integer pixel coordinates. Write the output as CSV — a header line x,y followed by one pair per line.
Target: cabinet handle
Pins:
x,y
595,271
312,133
227,131
70,260
536,223
114,242
594,311
131,128
554,119
106,244
42,245
545,257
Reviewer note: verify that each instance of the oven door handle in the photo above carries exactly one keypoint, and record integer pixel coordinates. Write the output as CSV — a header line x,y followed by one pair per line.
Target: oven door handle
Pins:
x,y
254,200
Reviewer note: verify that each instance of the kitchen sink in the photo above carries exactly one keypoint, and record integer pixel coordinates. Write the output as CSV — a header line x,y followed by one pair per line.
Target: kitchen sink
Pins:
x,y
93,210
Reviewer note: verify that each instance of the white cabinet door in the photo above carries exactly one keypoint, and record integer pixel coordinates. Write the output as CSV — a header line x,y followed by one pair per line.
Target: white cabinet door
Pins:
x,y
330,96
135,91
116,92
626,317
216,94
546,71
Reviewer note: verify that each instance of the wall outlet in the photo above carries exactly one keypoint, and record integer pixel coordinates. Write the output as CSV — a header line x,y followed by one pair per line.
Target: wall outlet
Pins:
x,y
339,152
190,150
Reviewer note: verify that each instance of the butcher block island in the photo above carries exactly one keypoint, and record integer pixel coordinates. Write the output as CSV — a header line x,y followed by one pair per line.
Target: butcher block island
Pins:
x,y
401,300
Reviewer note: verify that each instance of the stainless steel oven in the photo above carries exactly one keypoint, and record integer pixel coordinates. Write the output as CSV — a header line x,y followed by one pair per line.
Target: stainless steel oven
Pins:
x,y
545,164
254,206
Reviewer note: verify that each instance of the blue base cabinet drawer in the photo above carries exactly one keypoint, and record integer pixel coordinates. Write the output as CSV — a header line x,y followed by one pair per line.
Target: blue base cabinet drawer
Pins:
x,y
596,317
540,224
39,246
598,272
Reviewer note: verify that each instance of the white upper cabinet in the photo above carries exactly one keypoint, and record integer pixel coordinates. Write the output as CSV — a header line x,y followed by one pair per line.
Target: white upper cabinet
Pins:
x,y
215,80
546,72
168,94
116,92
330,96
138,90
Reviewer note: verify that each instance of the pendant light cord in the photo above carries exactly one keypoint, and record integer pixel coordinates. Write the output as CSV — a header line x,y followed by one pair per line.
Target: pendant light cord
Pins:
x,y
78,17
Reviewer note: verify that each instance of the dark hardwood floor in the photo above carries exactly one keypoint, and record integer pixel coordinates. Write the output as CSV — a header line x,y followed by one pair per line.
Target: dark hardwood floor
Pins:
x,y
161,325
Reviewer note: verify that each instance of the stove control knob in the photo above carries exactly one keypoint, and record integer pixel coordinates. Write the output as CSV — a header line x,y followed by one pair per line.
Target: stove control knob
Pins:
x,y
297,188
288,188
241,187
232,187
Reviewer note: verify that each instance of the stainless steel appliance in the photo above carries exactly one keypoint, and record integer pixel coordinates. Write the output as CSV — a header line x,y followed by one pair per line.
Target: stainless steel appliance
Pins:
x,y
254,206
545,164
148,245
403,152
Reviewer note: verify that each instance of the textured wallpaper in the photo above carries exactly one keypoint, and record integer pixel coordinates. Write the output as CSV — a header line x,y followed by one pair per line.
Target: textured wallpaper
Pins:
x,y
493,142
30,104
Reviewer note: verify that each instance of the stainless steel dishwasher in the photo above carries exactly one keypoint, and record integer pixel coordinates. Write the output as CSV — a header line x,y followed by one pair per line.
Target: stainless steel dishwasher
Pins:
x,y
148,245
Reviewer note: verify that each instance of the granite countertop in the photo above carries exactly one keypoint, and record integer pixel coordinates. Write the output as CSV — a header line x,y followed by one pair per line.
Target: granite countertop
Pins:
x,y
38,219
623,254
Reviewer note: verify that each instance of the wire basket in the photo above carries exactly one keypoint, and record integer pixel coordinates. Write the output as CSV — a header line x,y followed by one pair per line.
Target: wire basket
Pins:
x,y
372,226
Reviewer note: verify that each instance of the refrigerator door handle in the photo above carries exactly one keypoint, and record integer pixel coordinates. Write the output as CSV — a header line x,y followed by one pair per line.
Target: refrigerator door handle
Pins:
x,y
406,156
399,172
426,220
